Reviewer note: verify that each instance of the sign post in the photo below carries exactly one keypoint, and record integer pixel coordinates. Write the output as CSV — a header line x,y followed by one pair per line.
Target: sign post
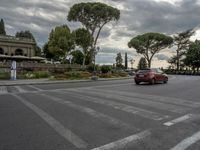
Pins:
x,y
13,69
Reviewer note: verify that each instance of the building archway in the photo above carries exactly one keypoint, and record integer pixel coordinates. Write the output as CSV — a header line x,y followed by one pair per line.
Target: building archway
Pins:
x,y
19,52
1,51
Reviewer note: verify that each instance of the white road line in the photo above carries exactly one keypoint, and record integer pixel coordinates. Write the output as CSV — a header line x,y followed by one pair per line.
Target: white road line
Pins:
x,y
3,90
187,142
20,89
56,125
121,144
178,120
36,88
135,100
91,112
168,100
172,77
123,107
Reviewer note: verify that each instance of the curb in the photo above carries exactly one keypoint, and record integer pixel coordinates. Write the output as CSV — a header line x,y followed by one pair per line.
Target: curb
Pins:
x,y
31,82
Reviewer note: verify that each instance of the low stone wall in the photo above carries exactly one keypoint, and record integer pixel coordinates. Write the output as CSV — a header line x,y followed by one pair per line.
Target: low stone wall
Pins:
x,y
24,66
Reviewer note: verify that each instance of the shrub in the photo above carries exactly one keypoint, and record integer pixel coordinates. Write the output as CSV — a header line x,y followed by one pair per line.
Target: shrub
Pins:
x,y
123,74
90,68
85,74
41,74
105,68
27,76
5,75
105,75
73,75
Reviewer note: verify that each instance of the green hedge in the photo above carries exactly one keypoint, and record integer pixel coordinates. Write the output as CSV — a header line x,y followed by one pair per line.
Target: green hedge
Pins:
x,y
5,75
105,68
72,75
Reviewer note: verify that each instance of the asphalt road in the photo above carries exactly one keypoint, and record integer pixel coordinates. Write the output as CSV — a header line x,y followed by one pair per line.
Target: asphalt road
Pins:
x,y
101,115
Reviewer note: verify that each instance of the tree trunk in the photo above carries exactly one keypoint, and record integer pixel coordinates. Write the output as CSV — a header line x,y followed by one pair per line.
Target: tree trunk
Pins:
x,y
84,60
92,55
149,63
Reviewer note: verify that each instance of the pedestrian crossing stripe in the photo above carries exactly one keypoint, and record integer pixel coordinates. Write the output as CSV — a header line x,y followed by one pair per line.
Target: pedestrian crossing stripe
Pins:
x,y
3,90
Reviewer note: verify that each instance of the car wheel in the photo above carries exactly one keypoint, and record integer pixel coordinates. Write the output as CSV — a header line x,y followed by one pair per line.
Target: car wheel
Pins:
x,y
166,80
153,81
137,82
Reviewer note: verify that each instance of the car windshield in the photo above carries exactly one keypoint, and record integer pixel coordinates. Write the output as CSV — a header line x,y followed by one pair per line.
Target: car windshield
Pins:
x,y
144,70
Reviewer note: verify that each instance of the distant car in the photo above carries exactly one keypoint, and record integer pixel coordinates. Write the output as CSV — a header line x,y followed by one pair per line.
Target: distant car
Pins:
x,y
130,72
152,76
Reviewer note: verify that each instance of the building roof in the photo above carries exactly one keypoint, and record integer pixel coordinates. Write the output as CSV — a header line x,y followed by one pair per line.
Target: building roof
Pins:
x,y
8,38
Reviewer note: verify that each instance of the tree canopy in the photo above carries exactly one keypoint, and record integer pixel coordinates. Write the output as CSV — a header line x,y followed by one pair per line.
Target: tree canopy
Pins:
x,y
77,57
83,39
60,42
25,34
193,55
149,44
182,42
119,61
142,63
47,54
2,28
93,17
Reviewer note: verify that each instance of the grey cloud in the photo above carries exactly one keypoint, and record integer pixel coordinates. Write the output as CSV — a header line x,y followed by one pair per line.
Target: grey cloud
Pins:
x,y
137,17
162,57
105,32
150,16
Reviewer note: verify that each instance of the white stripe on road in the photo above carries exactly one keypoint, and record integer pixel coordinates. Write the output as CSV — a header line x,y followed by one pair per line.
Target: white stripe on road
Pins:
x,y
187,142
157,98
56,125
3,90
121,144
91,112
178,120
35,88
20,89
123,97
123,107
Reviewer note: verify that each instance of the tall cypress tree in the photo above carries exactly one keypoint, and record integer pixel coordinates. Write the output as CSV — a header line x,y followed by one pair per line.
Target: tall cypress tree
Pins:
x,y
142,63
2,28
126,61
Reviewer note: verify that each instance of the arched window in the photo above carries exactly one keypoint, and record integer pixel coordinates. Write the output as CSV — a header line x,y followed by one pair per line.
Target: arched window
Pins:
x,y
1,51
19,52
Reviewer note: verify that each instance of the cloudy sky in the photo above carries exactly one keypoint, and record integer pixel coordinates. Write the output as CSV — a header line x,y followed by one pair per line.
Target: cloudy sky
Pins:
x,y
137,17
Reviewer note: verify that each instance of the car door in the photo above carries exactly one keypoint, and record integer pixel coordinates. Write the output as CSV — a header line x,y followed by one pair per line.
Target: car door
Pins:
x,y
160,75
156,74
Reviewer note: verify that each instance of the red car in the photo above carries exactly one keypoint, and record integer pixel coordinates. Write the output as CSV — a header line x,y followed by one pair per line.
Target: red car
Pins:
x,y
152,76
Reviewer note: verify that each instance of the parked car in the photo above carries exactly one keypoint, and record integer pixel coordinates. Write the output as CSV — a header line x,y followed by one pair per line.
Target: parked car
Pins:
x,y
130,72
152,76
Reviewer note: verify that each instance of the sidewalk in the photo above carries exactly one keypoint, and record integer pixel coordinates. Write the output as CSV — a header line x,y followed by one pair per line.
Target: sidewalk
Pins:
x,y
47,81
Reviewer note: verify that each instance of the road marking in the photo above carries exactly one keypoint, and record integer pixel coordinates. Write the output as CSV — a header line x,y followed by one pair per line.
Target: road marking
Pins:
x,y
36,88
156,98
121,144
123,107
91,112
20,89
172,77
122,97
3,90
56,125
178,120
187,142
